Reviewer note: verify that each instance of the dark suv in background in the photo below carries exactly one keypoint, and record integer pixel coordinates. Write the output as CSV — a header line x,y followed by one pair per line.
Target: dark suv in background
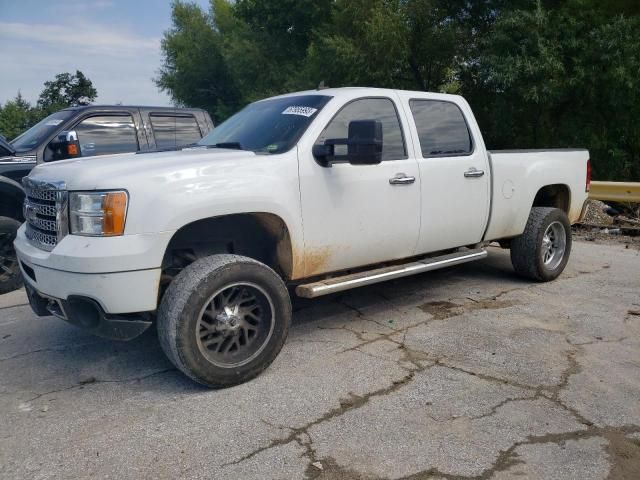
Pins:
x,y
83,132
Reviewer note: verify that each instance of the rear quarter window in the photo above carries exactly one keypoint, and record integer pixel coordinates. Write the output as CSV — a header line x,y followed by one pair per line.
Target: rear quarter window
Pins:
x,y
442,128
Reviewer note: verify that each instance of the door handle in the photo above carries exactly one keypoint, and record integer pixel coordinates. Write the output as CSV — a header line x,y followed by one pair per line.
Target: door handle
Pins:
x,y
473,172
402,179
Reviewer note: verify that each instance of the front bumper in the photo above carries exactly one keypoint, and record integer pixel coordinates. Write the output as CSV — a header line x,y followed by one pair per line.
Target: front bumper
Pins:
x,y
87,314
116,292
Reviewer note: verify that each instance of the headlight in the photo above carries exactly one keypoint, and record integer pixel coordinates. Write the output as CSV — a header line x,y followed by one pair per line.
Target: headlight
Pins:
x,y
97,214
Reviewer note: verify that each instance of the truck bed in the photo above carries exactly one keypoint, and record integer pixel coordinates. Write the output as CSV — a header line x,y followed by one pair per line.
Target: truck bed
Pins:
x,y
516,177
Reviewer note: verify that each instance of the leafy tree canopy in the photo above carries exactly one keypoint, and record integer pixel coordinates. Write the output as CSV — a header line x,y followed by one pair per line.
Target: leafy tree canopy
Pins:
x,y
16,116
538,73
65,90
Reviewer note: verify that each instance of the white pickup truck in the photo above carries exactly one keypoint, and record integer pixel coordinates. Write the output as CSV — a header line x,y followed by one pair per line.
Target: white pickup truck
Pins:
x,y
313,192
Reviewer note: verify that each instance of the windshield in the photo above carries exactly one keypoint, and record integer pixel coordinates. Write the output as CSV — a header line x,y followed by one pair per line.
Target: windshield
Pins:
x,y
268,126
40,131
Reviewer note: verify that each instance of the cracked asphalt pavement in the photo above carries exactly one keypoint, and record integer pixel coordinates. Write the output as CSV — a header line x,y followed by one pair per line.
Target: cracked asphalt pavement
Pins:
x,y
464,373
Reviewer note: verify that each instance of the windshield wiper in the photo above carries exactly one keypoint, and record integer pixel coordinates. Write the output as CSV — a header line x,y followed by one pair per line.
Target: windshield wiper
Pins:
x,y
230,145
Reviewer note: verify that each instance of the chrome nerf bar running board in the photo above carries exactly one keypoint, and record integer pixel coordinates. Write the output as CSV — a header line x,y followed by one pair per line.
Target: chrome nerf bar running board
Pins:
x,y
347,282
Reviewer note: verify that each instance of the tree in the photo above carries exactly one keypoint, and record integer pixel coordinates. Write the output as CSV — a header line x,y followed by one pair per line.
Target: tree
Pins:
x,y
538,73
237,52
66,90
16,116
266,44
195,72
561,76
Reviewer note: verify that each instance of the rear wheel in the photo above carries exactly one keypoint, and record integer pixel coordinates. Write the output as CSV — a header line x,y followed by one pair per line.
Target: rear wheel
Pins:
x,y
224,319
10,276
542,251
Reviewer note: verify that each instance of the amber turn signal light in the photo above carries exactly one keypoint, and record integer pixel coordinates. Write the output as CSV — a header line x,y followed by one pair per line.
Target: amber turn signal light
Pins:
x,y
115,212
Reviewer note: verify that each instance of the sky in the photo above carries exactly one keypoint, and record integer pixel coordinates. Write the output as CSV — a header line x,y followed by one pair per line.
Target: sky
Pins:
x,y
115,43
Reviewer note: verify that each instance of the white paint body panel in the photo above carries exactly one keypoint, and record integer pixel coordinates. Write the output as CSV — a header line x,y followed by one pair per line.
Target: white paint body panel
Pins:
x,y
454,208
338,218
120,292
522,174
352,216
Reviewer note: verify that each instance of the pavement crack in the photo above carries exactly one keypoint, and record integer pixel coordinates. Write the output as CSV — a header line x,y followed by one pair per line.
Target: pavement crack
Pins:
x,y
383,336
275,425
312,470
93,381
498,406
60,348
353,402
14,306
359,335
507,457
573,368
621,451
598,340
360,314
24,354
489,378
344,303
327,342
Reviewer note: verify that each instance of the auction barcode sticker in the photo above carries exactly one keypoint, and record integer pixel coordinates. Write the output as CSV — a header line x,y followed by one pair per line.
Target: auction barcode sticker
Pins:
x,y
304,111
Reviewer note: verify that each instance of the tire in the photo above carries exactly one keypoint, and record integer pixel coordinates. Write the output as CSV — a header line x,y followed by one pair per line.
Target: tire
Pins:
x,y
10,275
212,307
541,253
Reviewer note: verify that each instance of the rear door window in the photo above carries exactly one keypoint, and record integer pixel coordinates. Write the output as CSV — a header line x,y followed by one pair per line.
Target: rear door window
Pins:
x,y
107,134
442,129
174,131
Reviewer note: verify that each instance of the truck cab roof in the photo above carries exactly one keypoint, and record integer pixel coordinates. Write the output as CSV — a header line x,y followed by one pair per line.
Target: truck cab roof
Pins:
x,y
89,108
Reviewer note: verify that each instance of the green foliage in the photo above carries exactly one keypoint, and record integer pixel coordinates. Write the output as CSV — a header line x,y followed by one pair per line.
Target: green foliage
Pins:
x,y
563,77
65,90
538,73
194,71
16,116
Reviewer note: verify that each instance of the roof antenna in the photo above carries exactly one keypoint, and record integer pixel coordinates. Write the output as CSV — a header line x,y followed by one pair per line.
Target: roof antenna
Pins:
x,y
322,86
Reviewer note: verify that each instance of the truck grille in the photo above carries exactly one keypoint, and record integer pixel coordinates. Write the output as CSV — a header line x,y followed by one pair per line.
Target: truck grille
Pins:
x,y
45,212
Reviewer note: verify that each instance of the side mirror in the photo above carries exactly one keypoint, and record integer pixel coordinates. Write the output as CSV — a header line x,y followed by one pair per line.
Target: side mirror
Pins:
x,y
364,145
65,145
324,153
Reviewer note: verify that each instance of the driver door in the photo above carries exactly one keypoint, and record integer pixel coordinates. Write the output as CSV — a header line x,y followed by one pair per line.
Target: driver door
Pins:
x,y
356,215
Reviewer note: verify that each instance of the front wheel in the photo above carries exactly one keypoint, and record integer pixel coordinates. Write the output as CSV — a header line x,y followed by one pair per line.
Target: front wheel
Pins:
x,y
224,319
542,251
10,276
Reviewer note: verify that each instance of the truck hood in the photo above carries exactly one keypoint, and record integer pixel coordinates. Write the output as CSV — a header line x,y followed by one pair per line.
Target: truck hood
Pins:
x,y
127,170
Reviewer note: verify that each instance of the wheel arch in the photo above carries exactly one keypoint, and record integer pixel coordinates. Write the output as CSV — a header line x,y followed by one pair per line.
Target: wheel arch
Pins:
x,y
557,195
262,236
509,216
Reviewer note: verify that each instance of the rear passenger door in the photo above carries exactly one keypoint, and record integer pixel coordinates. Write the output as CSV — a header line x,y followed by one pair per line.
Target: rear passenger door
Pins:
x,y
174,130
454,173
